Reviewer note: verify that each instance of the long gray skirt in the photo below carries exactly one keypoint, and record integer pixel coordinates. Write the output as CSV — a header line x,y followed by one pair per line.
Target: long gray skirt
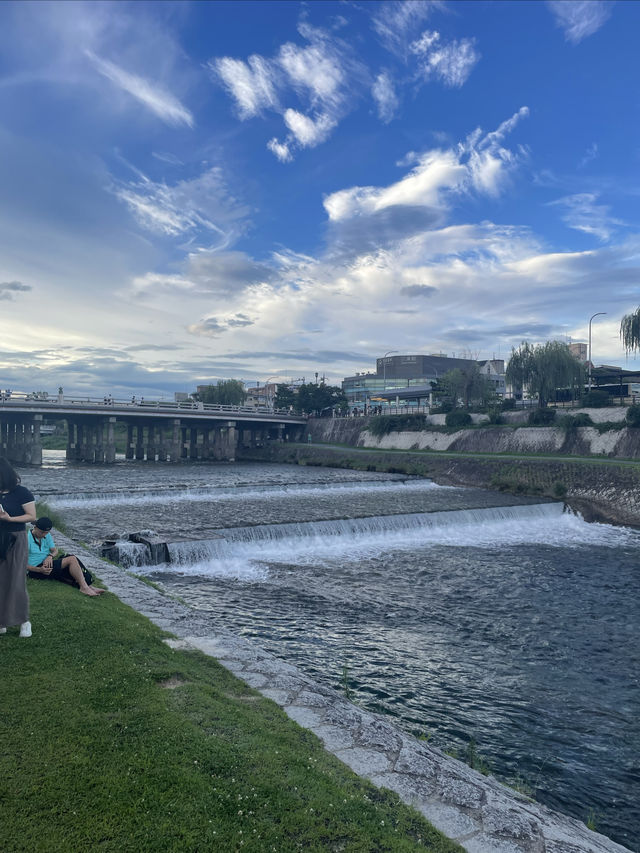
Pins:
x,y
14,600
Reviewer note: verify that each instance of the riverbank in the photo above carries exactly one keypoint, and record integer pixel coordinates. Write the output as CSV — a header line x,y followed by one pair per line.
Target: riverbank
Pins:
x,y
113,740
164,750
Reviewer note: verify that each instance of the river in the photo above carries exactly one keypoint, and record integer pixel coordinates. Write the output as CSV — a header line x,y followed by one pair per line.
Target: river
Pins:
x,y
466,615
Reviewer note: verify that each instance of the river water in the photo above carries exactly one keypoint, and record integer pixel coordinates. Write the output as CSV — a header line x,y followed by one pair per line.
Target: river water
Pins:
x,y
465,614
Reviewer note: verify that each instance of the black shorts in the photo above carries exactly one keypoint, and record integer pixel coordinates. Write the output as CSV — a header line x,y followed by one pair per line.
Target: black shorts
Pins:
x,y
57,573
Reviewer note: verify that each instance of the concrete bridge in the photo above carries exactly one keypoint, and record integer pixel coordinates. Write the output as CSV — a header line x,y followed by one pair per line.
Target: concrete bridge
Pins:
x,y
160,431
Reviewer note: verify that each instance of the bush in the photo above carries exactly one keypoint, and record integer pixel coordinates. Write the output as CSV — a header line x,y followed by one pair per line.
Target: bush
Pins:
x,y
633,416
571,422
384,424
495,417
508,404
542,417
559,489
596,399
444,407
458,419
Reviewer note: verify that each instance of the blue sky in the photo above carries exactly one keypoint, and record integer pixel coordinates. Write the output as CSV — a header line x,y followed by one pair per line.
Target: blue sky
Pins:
x,y
209,190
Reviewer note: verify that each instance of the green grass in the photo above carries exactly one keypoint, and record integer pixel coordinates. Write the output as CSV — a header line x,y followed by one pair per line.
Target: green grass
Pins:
x,y
112,741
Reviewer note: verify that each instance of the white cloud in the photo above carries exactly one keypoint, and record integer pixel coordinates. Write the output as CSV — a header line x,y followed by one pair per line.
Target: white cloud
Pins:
x,y
583,214
451,62
320,78
280,149
162,103
580,18
316,69
480,163
306,131
252,84
384,95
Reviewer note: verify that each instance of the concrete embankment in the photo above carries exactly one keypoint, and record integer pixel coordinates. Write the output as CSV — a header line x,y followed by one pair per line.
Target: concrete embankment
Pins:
x,y
605,487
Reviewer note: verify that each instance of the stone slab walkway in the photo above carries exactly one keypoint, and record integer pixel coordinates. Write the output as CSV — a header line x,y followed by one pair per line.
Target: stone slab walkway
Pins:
x,y
478,812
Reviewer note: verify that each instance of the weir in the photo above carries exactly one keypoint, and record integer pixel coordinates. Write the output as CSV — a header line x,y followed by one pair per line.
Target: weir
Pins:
x,y
320,537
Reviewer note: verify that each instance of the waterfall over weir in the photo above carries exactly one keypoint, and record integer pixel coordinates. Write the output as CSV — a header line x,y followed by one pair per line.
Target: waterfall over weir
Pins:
x,y
315,540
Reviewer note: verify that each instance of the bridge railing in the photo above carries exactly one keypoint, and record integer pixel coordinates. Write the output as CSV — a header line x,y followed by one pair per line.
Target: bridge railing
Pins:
x,y
40,399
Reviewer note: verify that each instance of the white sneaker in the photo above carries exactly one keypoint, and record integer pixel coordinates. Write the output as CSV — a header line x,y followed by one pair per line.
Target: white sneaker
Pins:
x,y
3,630
25,629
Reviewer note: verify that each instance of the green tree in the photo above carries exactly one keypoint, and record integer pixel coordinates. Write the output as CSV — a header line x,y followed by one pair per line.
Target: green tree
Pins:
x,y
284,397
630,331
318,399
468,385
520,367
228,392
545,368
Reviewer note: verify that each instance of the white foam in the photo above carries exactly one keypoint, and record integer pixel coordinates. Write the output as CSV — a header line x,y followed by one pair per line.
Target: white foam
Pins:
x,y
245,552
239,493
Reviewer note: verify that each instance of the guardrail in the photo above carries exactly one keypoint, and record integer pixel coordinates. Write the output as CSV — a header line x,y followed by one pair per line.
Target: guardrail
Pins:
x,y
8,399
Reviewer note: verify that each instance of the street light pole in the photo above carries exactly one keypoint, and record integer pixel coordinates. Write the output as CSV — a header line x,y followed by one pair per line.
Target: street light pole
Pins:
x,y
597,314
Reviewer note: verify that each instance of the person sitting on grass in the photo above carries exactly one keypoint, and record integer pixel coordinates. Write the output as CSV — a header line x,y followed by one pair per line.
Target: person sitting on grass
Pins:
x,y
43,564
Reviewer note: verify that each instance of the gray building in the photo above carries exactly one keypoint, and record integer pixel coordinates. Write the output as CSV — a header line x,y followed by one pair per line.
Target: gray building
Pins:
x,y
406,379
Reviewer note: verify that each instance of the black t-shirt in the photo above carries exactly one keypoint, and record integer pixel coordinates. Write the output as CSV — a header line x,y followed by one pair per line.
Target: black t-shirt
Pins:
x,y
13,502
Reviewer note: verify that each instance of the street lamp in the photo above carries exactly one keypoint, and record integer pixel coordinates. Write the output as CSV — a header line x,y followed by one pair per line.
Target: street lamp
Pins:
x,y
597,314
270,397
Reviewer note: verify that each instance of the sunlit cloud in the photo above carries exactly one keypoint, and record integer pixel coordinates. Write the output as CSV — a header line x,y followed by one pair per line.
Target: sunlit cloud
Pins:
x,y
480,163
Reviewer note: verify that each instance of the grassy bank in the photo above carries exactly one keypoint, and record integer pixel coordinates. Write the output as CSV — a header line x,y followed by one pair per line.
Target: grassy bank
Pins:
x,y
111,740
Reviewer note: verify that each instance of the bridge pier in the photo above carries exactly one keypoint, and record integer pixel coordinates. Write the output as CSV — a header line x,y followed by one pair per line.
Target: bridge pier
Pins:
x,y
110,452
20,441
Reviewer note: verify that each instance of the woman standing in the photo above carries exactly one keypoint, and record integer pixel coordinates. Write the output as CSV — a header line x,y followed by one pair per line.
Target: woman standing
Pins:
x,y
17,507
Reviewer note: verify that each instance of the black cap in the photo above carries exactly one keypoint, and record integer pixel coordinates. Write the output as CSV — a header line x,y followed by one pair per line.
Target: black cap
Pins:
x,y
44,523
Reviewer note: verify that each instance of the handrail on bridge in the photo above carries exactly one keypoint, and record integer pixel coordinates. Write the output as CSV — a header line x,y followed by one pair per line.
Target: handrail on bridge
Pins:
x,y
7,399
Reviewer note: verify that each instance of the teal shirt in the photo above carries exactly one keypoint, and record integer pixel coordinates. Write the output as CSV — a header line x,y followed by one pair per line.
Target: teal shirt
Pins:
x,y
38,554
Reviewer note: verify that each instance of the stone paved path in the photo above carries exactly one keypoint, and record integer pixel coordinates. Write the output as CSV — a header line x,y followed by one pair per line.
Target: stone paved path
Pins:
x,y
478,812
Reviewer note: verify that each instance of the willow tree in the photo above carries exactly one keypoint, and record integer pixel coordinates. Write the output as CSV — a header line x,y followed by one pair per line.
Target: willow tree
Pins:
x,y
630,331
544,369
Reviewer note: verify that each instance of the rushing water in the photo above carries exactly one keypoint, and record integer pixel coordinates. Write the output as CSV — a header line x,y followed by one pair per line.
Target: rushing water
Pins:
x,y
463,613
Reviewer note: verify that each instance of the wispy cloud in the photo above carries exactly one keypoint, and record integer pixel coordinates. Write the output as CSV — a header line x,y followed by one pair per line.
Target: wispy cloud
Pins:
x,y
397,21
196,209
384,94
8,289
580,18
252,84
451,62
162,103
584,214
590,154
